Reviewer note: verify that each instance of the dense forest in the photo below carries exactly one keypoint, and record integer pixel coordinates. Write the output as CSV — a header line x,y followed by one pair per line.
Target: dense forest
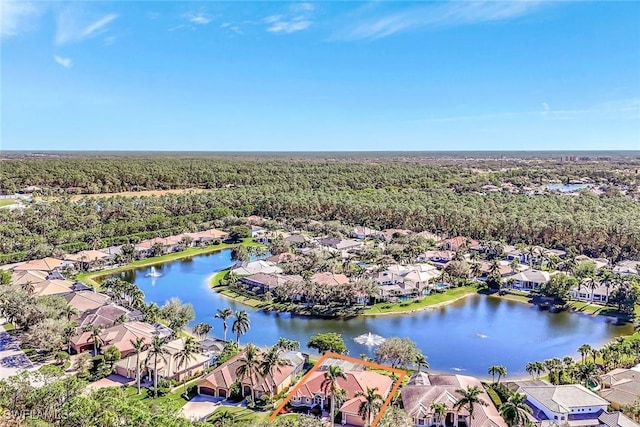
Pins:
x,y
441,198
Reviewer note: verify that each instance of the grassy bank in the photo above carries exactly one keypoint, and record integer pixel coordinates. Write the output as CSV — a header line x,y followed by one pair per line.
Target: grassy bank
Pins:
x,y
433,300
89,277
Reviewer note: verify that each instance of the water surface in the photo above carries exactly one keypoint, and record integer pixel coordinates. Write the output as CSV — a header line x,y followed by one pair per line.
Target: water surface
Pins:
x,y
467,336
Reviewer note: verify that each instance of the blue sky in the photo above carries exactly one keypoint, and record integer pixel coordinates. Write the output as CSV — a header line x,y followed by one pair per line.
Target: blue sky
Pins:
x,y
453,75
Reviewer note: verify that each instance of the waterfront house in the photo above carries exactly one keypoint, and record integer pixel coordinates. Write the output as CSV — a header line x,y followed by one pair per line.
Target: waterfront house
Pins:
x,y
626,267
570,403
530,279
311,393
255,267
504,269
202,238
283,257
431,236
424,389
168,364
218,382
262,283
438,258
388,278
53,287
255,230
592,292
620,386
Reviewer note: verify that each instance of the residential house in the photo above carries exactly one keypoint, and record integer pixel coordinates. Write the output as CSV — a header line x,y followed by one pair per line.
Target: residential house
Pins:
x,y
255,230
530,279
392,233
53,287
46,264
263,283
424,389
431,236
283,257
599,262
330,279
388,278
120,335
83,259
456,243
219,381
86,300
311,393
107,316
29,276
255,267
620,386
361,233
593,292
570,403
512,253
504,269
169,365
297,239
112,251
627,267
202,238
616,419
438,258
340,244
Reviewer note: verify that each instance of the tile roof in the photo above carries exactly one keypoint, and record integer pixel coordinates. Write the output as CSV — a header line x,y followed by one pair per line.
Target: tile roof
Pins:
x,y
23,277
424,389
86,256
330,279
616,419
561,398
45,264
86,300
53,287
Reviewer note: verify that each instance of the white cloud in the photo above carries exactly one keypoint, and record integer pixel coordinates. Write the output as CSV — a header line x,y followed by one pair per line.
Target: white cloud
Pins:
x,y
72,28
298,19
65,62
289,26
108,41
372,22
616,109
16,17
198,18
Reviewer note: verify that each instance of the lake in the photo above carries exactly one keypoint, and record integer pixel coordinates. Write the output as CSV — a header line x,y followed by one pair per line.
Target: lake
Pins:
x,y
467,336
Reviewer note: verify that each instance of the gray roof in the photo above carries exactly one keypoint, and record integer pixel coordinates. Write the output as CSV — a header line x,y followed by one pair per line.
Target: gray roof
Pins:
x,y
616,419
561,398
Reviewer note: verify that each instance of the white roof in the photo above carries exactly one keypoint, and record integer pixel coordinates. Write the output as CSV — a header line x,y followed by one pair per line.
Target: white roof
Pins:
x,y
562,398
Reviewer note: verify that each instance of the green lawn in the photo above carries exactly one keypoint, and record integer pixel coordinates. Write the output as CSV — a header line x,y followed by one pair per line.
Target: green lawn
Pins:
x,y
216,278
8,327
173,400
240,414
7,202
428,301
89,278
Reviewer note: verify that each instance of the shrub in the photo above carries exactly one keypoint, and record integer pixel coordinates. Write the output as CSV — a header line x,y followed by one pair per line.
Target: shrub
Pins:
x,y
164,386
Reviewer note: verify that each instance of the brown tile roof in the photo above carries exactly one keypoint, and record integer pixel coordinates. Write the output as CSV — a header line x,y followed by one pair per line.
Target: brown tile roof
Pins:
x,y
424,389
357,381
456,242
86,300
330,279
283,257
53,287
225,375
86,256
23,277
45,264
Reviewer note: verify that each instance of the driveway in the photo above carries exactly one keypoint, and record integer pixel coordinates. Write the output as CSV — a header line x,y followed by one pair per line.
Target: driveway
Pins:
x,y
200,407
12,358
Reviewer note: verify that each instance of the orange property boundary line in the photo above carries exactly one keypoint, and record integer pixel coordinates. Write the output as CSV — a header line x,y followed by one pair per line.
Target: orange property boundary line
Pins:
x,y
398,372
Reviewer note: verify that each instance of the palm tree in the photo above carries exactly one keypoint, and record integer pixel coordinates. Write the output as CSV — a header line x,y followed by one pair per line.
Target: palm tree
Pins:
x,y
270,364
241,325
515,411
224,314
96,338
475,270
439,411
587,372
249,366
494,267
531,368
69,331
469,397
186,354
421,361
497,370
330,386
156,350
28,287
584,349
371,404
138,347
69,311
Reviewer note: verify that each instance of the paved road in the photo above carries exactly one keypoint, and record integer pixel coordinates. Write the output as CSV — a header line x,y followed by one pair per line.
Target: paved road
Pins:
x,y
12,358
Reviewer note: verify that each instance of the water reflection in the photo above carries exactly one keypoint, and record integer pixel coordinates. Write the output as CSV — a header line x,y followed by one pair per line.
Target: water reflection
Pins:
x,y
470,334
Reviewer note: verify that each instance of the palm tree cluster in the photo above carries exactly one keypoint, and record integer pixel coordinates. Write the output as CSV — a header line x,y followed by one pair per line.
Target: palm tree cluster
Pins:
x,y
593,362
124,293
